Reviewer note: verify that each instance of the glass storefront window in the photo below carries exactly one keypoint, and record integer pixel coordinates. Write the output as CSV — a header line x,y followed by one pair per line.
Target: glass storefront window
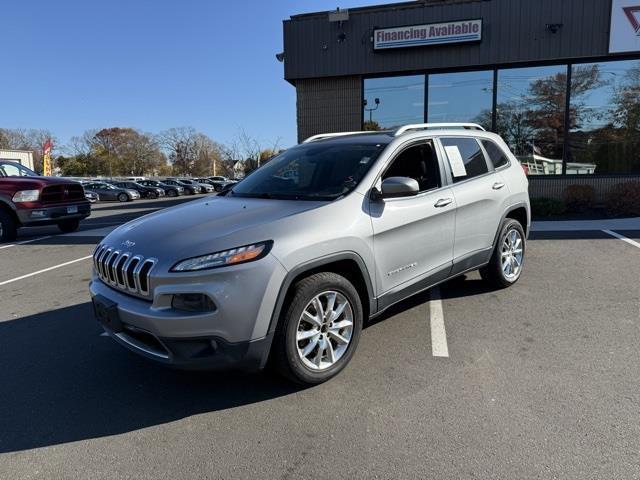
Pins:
x,y
530,116
461,97
605,118
393,101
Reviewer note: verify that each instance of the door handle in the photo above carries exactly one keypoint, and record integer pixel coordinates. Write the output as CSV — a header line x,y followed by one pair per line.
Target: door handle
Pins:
x,y
443,202
498,185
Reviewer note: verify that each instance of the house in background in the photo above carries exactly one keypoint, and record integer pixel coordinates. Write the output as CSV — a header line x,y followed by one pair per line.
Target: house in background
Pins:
x,y
23,157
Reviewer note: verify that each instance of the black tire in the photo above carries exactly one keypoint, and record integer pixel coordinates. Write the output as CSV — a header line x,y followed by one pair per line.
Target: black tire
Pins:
x,y
123,197
68,226
8,227
172,193
286,359
152,195
218,188
493,272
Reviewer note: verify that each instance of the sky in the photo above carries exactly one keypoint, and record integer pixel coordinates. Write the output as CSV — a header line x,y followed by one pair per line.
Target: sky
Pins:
x,y
74,65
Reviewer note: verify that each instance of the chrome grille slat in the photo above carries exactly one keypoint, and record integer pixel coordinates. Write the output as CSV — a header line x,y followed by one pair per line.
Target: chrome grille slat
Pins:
x,y
117,269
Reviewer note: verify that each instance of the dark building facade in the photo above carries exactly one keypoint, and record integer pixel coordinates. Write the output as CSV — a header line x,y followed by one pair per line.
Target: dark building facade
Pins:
x,y
558,79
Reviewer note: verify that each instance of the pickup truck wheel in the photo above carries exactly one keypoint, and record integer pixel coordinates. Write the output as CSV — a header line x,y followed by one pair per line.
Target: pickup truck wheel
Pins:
x,y
8,229
123,197
505,267
68,226
319,329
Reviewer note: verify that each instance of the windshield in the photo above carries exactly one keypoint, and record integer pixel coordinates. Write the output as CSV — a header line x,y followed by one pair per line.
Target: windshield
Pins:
x,y
311,172
14,169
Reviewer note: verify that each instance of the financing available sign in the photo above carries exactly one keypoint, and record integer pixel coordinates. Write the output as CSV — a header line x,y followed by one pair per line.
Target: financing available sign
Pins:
x,y
429,34
625,26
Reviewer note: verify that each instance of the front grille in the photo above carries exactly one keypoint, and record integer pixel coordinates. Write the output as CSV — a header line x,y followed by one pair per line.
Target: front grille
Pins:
x,y
62,193
122,270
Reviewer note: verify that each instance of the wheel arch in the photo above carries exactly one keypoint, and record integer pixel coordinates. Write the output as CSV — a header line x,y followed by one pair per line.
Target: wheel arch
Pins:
x,y
10,209
348,264
519,212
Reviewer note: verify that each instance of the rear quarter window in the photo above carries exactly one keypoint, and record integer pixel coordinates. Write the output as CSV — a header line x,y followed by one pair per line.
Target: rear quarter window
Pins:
x,y
495,153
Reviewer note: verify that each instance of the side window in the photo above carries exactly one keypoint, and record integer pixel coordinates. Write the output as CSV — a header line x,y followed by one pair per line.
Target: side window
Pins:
x,y
418,162
496,155
465,158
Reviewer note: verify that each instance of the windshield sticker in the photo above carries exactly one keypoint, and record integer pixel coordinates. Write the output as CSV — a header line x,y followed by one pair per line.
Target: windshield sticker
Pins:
x,y
455,160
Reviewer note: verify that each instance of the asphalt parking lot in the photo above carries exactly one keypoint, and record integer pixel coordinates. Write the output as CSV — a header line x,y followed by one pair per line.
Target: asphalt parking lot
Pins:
x,y
537,381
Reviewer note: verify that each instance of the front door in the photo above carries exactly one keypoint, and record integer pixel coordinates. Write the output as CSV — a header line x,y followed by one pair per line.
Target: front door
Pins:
x,y
413,236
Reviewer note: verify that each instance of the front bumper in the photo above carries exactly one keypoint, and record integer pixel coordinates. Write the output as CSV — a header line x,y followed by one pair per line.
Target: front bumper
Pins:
x,y
234,334
49,215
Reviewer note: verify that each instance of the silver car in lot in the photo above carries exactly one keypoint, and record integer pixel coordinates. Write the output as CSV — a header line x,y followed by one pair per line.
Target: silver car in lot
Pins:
x,y
107,191
288,264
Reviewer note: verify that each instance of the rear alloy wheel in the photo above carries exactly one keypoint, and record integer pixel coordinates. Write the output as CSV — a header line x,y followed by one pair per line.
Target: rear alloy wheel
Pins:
x,y
123,197
172,193
506,264
8,229
319,330
152,195
68,226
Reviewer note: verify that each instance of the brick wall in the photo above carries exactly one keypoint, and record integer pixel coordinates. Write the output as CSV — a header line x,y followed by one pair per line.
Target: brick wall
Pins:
x,y
328,105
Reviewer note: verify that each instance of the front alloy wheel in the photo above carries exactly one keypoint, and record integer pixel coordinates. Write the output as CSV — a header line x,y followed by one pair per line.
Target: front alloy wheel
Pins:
x,y
319,329
324,330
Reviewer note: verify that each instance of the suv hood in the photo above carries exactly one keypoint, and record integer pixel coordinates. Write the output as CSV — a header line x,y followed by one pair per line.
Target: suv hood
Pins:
x,y
32,183
203,226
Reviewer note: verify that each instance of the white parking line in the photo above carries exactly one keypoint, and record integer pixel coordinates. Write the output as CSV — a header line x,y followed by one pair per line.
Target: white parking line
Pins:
x,y
44,270
622,237
25,241
438,333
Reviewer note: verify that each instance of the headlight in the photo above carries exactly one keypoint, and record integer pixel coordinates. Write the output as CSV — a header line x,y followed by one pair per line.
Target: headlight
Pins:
x,y
26,196
233,256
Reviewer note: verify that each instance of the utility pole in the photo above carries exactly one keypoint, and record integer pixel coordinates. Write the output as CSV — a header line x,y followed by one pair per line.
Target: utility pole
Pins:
x,y
376,101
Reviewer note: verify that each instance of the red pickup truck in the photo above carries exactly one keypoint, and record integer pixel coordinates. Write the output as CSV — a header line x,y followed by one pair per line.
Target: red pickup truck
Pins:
x,y
27,200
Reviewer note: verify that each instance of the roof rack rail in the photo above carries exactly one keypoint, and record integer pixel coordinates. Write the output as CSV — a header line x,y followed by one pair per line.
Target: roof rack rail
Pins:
x,y
427,126
322,136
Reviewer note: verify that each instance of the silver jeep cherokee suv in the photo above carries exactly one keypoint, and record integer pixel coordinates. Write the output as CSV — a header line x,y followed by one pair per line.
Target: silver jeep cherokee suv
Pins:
x,y
290,262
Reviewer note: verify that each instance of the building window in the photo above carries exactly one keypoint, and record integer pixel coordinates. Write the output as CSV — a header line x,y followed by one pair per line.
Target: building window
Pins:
x,y
530,116
393,101
605,118
461,97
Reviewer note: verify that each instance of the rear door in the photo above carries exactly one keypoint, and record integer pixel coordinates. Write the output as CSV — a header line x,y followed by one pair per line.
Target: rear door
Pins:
x,y
413,236
480,195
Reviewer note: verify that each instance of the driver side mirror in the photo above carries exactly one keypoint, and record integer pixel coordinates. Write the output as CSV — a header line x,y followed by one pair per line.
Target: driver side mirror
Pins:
x,y
394,187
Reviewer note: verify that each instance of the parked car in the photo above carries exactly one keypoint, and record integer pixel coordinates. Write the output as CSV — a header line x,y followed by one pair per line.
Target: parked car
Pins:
x,y
143,190
170,190
287,268
202,187
218,182
93,197
28,200
107,191
188,188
